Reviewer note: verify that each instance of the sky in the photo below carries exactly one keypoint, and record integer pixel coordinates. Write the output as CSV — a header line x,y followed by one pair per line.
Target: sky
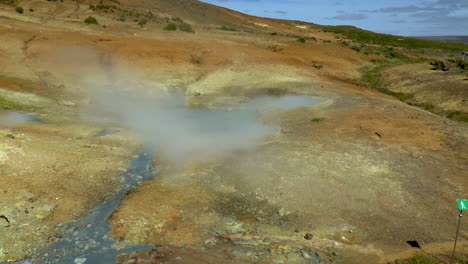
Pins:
x,y
399,17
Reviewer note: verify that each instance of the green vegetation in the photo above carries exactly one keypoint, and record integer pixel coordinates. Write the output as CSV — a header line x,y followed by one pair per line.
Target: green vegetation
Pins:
x,y
186,28
11,105
19,9
302,40
364,36
170,27
91,20
103,7
274,34
423,259
227,29
7,2
142,22
317,119
459,116
372,76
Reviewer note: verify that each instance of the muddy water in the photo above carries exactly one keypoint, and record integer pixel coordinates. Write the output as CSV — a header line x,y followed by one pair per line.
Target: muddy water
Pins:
x,y
86,241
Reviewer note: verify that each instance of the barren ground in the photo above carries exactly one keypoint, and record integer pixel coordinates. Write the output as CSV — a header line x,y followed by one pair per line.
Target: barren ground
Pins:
x,y
361,171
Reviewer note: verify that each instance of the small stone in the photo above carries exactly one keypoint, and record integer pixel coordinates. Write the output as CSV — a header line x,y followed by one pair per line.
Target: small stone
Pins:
x,y
267,240
80,260
318,66
282,212
210,242
308,236
306,255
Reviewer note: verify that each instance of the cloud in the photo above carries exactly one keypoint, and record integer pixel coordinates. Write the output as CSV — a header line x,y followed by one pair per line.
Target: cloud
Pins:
x,y
349,16
400,9
281,12
397,21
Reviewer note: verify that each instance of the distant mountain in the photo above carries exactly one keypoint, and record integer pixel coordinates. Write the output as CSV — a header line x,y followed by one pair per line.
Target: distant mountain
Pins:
x,y
456,39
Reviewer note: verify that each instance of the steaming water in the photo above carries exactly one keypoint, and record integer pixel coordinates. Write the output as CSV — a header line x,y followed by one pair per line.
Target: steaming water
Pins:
x,y
87,240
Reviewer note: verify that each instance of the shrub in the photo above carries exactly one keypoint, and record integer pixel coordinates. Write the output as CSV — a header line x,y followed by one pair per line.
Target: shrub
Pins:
x,y
356,48
302,40
19,9
317,119
274,34
186,28
170,27
91,20
142,22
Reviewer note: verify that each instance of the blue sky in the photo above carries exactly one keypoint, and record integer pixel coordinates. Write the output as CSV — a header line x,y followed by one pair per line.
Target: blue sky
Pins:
x,y
401,17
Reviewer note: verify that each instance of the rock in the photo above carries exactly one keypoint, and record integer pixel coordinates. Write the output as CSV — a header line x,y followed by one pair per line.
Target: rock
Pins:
x,y
440,65
44,211
308,236
4,221
80,260
210,242
306,255
318,66
267,240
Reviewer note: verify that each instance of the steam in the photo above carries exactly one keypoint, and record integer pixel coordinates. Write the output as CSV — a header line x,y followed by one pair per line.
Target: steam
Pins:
x,y
159,116
161,119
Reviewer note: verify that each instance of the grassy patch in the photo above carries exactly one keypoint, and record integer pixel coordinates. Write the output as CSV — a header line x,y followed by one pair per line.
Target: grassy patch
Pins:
x,y
423,259
302,40
91,20
10,105
170,27
227,28
457,115
19,9
369,37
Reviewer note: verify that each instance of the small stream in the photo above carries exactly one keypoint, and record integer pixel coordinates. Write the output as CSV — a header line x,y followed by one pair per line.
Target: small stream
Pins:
x,y
86,241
